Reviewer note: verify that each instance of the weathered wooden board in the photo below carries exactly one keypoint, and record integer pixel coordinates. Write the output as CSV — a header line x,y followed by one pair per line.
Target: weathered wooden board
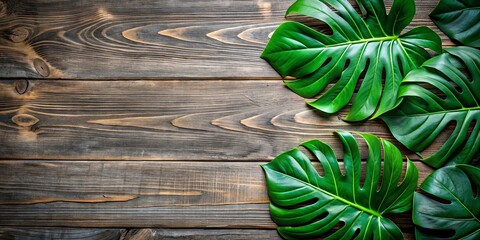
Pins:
x,y
188,100
162,120
194,234
144,39
140,194
61,233
135,234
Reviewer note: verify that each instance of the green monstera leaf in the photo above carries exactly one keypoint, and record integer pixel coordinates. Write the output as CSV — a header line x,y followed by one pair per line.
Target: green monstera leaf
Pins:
x,y
423,114
459,19
370,45
449,210
307,205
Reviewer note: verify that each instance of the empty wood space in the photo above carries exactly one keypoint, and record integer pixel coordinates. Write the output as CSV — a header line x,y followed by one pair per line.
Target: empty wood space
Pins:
x,y
150,119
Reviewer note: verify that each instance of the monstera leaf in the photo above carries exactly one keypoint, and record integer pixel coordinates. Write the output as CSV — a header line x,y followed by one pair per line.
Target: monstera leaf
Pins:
x,y
454,211
369,45
423,115
459,19
307,205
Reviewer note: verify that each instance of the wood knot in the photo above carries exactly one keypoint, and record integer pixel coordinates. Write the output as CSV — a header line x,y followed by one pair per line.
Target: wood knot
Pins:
x,y
24,120
19,34
21,86
3,8
41,67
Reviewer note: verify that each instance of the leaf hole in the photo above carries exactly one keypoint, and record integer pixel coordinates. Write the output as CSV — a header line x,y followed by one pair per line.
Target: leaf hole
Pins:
x,y
329,59
441,138
315,162
302,204
456,86
402,175
357,232
342,168
362,75
433,197
437,91
462,150
437,233
317,218
403,71
335,228
384,74
319,169
363,173
347,63
380,177
470,135
467,74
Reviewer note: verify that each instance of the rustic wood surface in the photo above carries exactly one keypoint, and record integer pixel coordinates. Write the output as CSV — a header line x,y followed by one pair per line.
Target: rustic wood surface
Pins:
x,y
149,39
162,120
61,233
136,234
140,194
150,119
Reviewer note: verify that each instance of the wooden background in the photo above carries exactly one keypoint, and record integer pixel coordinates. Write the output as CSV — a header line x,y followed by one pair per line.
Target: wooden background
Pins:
x,y
149,119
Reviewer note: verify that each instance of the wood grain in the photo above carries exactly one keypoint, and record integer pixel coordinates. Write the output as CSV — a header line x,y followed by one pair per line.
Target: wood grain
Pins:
x,y
178,90
198,234
61,233
167,120
140,194
145,39
135,234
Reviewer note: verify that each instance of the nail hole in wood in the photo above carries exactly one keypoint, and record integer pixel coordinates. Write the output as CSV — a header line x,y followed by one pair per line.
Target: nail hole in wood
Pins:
x,y
41,67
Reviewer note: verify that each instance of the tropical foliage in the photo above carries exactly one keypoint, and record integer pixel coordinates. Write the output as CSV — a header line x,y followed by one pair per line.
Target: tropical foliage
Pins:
x,y
459,19
449,208
445,90
306,204
368,46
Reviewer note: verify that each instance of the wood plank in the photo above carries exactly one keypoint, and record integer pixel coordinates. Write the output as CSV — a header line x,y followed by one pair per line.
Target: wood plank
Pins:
x,y
147,39
60,233
193,234
163,120
140,194
135,234
217,234
133,194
